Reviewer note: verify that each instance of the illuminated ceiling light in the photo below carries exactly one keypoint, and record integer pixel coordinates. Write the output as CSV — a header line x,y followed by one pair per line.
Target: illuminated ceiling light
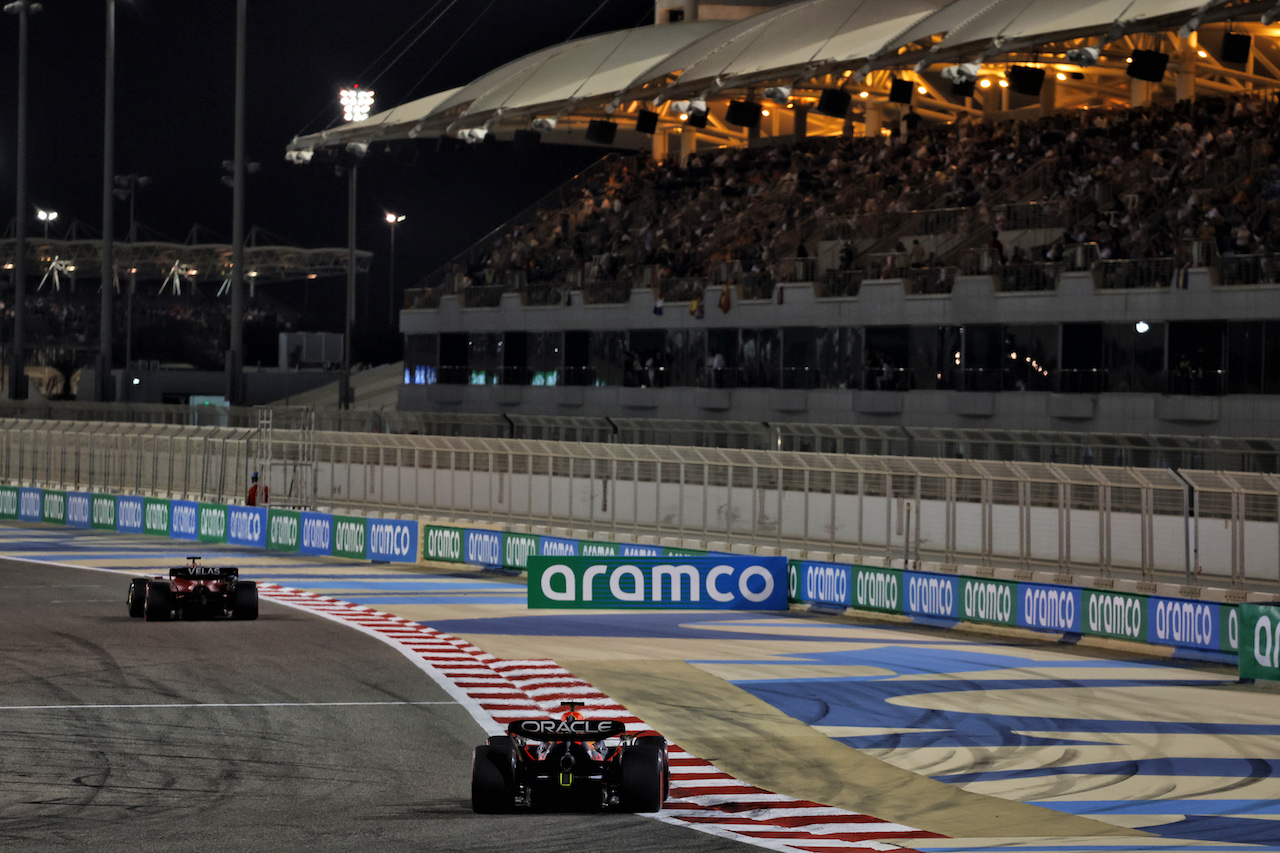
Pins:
x,y
985,83
46,215
1004,84
1128,59
1141,327
764,113
848,73
684,116
922,90
312,276
1202,54
356,103
791,106
864,94
1062,76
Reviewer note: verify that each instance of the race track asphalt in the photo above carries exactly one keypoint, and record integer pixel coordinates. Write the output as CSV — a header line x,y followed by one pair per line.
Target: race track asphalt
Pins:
x,y
289,733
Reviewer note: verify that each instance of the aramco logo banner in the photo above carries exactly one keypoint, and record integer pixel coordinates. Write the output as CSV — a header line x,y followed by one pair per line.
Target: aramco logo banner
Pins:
x,y
723,582
1260,641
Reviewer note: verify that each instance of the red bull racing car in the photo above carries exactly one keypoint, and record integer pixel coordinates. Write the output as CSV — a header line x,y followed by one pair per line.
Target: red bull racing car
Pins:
x,y
194,591
570,763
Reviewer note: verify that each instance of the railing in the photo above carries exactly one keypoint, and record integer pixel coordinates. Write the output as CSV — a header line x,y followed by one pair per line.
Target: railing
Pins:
x,y
1249,269
1147,273
1019,514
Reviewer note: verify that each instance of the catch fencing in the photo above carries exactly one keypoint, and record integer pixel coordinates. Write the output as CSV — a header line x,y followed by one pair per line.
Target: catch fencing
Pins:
x,y
1197,527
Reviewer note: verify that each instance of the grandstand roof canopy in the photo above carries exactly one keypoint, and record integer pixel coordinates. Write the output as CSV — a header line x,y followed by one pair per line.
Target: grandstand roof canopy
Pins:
x,y
807,46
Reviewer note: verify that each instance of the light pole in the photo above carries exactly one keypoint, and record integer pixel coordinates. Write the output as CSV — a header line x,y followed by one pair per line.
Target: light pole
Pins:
x,y
126,188
108,209
46,216
356,103
235,353
393,219
17,373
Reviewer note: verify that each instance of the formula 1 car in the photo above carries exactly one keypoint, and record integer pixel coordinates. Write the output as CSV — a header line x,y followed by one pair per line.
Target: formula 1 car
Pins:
x,y
570,763
194,591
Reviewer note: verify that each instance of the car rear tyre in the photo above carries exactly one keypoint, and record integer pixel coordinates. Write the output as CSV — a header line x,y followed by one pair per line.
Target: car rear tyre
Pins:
x,y
137,597
492,785
641,789
244,600
659,743
157,607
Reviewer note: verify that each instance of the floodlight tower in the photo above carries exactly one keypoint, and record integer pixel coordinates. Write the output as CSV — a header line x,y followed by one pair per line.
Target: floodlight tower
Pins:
x,y
108,207
46,216
357,104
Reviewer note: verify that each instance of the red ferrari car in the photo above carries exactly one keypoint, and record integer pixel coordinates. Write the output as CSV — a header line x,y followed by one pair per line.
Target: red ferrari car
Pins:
x,y
194,591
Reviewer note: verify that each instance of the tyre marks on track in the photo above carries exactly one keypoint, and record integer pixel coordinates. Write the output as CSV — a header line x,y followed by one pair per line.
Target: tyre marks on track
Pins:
x,y
702,797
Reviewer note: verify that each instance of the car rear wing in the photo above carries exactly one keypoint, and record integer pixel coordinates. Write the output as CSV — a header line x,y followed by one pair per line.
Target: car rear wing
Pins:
x,y
205,573
553,730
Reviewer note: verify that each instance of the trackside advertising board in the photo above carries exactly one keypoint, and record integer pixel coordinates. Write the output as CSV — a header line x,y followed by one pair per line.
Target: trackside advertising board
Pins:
x,y
8,503
349,534
247,525
184,520
29,504
517,548
826,584
482,547
54,507
213,523
317,534
284,528
442,544
392,540
987,600
155,517
79,512
932,595
102,512
131,513
725,582
1260,641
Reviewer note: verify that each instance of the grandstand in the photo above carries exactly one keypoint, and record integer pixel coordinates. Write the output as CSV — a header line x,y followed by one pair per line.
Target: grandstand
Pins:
x,y
949,215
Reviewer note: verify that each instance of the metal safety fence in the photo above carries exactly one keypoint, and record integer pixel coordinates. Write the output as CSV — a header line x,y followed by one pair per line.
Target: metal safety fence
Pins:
x,y
1196,527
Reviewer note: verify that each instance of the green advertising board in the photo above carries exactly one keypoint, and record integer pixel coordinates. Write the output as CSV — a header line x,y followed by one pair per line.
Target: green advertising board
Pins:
x,y
588,548
793,581
283,527
683,552
987,600
517,548
155,517
1114,614
102,512
8,502
877,589
53,507
442,544
349,537
213,523
1259,641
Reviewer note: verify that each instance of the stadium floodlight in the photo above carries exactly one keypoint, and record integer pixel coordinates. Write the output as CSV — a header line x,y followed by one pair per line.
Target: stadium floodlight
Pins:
x,y
544,124
300,156
966,72
358,148
777,94
1084,56
356,103
46,215
473,135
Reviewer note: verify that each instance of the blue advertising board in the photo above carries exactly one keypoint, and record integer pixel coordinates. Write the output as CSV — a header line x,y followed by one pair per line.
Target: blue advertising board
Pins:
x,y
246,525
184,520
931,595
482,547
317,534
79,511
554,546
1181,622
129,514
392,540
825,583
1049,608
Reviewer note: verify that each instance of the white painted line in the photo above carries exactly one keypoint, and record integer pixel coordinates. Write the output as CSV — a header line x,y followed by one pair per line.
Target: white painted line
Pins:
x,y
214,705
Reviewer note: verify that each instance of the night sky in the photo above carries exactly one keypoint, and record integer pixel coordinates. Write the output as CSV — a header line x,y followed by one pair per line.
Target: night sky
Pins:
x,y
174,120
